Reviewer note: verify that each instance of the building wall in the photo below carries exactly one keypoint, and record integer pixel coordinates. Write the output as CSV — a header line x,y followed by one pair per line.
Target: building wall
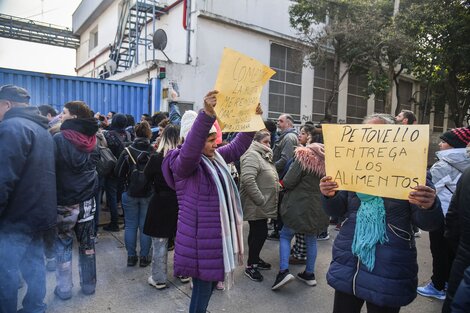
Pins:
x,y
248,26
90,59
267,14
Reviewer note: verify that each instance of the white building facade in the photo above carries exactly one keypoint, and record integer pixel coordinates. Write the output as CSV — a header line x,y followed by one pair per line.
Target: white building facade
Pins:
x,y
258,28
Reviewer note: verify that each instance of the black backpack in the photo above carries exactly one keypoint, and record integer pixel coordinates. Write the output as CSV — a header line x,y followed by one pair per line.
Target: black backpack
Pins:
x,y
107,162
137,184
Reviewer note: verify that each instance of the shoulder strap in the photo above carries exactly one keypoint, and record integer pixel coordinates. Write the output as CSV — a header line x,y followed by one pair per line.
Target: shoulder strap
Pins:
x,y
130,154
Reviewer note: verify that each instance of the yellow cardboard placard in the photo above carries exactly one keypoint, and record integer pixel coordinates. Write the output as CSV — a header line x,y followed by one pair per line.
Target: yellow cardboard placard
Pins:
x,y
381,160
239,82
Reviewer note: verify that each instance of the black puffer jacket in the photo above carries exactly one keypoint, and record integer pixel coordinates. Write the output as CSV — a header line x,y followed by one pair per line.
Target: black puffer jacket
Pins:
x,y
77,179
458,233
27,174
162,213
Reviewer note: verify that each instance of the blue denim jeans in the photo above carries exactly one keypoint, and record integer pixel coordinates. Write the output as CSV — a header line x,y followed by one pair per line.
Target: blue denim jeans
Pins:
x,y
202,291
78,219
285,239
111,188
22,253
135,211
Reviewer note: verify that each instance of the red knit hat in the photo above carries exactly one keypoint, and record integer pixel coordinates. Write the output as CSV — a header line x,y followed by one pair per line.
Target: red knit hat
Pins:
x,y
457,137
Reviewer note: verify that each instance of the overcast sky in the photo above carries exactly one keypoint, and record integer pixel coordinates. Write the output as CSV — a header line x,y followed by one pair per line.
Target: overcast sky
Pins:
x,y
37,57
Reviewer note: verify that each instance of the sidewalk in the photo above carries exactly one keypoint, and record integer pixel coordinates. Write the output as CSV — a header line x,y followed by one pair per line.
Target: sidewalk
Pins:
x,y
125,289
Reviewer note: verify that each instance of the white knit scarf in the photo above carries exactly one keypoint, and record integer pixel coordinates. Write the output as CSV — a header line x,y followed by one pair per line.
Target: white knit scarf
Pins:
x,y
231,216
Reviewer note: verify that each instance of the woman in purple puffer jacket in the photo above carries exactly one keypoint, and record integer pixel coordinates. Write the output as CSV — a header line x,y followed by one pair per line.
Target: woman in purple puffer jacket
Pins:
x,y
209,239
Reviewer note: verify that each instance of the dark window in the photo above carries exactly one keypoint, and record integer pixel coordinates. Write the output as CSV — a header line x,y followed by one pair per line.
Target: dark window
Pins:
x,y
286,85
357,98
322,91
405,92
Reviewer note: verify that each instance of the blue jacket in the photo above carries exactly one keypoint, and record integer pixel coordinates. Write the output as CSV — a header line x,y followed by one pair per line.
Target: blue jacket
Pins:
x,y
394,279
27,178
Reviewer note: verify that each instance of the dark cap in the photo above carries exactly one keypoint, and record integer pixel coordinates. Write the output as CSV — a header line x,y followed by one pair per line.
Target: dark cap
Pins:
x,y
14,93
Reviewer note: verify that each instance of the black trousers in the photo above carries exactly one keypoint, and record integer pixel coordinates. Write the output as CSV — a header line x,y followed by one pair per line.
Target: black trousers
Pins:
x,y
346,303
442,258
256,238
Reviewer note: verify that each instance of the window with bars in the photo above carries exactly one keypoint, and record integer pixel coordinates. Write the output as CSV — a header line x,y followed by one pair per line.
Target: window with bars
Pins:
x,y
405,93
357,98
379,104
286,85
322,91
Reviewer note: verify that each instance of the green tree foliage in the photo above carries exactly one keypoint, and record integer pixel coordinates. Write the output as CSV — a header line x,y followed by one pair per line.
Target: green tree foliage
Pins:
x,y
430,39
441,29
359,33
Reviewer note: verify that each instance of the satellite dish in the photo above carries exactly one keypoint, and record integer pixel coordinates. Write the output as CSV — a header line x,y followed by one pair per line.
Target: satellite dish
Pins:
x,y
111,66
159,39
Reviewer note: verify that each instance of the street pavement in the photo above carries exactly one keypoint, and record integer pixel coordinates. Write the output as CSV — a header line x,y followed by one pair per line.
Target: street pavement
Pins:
x,y
125,289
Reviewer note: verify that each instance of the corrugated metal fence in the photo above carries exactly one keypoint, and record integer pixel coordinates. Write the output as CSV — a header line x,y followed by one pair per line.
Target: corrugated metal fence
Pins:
x,y
101,95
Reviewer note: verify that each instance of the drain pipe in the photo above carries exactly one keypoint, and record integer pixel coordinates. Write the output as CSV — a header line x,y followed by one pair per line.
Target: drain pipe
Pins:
x,y
187,27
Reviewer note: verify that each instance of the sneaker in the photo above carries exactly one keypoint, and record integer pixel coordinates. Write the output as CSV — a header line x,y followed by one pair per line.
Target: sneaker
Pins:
x,y
295,261
418,234
51,264
132,260
307,278
429,290
157,285
274,235
263,265
253,273
145,261
63,295
184,279
323,236
220,285
282,279
111,227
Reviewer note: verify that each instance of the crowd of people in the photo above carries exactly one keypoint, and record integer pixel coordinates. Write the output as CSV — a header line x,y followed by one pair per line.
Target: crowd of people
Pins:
x,y
183,185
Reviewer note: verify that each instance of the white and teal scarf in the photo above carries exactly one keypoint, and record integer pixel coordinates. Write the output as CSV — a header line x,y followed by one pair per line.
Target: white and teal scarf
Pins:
x,y
370,229
231,215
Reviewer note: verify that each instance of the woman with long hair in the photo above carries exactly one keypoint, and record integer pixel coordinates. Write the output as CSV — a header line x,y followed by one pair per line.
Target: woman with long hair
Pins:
x,y
162,214
136,198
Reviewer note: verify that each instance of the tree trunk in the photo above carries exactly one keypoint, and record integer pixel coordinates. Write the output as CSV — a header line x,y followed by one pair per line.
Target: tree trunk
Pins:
x,y
389,95
336,65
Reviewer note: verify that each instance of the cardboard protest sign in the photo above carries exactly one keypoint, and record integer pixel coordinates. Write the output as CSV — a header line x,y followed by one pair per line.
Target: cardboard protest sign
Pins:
x,y
239,82
381,160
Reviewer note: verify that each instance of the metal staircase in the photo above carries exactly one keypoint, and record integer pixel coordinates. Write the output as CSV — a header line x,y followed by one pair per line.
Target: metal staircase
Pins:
x,y
132,33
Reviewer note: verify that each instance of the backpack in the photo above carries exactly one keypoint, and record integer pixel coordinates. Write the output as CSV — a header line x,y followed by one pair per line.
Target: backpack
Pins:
x,y
137,184
117,141
106,163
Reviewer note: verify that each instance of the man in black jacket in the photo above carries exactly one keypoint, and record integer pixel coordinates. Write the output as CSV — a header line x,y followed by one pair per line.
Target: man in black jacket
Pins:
x,y
27,199
458,234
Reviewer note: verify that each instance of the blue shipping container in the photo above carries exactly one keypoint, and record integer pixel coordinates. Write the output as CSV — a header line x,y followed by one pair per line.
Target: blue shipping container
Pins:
x,y
101,95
